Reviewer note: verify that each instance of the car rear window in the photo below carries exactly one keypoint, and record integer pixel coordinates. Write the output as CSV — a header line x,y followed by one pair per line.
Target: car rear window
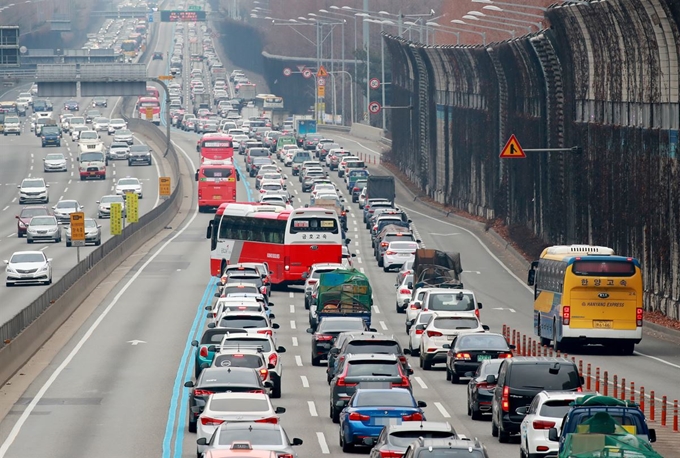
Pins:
x,y
451,302
238,360
239,405
482,342
245,342
372,346
405,438
555,409
221,377
212,337
538,376
455,323
259,152
395,398
244,322
253,435
372,368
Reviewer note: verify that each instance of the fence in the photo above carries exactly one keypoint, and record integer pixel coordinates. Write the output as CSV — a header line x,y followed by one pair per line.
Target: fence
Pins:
x,y
603,77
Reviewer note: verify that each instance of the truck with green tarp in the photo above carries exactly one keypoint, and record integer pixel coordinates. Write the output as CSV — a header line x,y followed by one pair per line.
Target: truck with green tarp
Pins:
x,y
342,292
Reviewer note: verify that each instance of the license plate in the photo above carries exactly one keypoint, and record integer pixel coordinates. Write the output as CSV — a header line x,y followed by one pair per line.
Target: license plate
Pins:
x,y
602,324
92,174
217,197
384,421
483,357
404,255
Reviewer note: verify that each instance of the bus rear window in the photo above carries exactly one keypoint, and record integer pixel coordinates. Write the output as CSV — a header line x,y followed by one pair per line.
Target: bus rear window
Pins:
x,y
314,225
216,173
604,268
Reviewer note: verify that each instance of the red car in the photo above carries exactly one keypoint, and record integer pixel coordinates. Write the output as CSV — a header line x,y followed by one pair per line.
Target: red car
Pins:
x,y
27,213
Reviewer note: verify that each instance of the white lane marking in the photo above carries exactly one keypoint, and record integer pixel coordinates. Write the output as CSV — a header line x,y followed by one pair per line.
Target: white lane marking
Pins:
x,y
383,326
14,433
305,382
322,443
292,324
299,200
44,248
298,360
358,252
292,308
295,190
356,229
291,295
31,168
362,270
420,382
11,234
658,359
295,341
442,410
312,409
360,261
376,309
66,189
69,181
14,200
5,208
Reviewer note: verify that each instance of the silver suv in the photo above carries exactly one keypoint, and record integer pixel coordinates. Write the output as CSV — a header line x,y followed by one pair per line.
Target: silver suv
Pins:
x,y
425,448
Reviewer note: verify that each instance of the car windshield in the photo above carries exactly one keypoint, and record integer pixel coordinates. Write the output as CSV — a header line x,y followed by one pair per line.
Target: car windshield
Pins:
x,y
372,368
89,135
33,184
122,132
244,322
239,405
405,438
371,346
43,221
90,223
394,398
117,121
451,302
27,257
331,325
128,181
119,145
482,342
456,323
101,120
238,360
54,157
245,342
66,204
91,157
556,409
35,211
406,246
109,199
139,149
253,435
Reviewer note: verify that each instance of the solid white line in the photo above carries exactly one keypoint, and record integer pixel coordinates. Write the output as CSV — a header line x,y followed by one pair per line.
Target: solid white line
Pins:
x,y
298,361
14,200
312,409
305,382
658,359
44,248
376,309
442,410
420,382
322,443
292,324
295,341
14,433
383,325
292,308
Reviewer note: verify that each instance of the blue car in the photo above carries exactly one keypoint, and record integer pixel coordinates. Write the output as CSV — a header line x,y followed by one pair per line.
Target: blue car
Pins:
x,y
369,410
71,105
202,355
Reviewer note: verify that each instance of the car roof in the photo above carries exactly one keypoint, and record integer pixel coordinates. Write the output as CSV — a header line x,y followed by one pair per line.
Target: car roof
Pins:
x,y
439,426
240,396
449,443
28,252
252,425
371,357
240,351
560,395
369,335
243,313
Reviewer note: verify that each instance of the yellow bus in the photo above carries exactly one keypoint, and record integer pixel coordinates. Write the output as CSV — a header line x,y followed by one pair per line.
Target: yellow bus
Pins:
x,y
587,295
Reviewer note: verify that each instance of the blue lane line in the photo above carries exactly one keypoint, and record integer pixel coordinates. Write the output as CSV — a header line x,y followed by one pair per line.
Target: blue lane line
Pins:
x,y
184,401
244,179
178,387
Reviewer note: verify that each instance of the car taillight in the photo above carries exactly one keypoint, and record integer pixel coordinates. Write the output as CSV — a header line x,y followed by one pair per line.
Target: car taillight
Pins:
x,y
389,253
272,420
434,334
413,417
419,331
284,455
262,191
504,355
256,391
404,382
311,282
355,416
390,454
404,291
273,359
477,313
638,316
198,392
463,356
579,389
203,352
566,315
383,244
341,382
375,227
323,337
207,421
485,385
265,331
505,400
543,424
355,189
264,373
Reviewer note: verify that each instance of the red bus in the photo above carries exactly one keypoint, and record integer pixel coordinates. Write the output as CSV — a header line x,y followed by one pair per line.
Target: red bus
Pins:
x,y
289,240
152,91
146,103
216,146
216,184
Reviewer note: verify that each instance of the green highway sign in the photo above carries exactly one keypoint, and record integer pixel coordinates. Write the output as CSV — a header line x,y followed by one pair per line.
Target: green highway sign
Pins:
x,y
195,8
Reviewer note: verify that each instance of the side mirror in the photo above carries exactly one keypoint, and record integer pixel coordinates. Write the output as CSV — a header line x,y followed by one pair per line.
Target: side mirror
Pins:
x,y
511,347
418,305
370,441
196,175
491,379
521,410
281,349
212,348
202,441
275,326
552,435
531,275
268,384
208,307
335,351
194,343
409,371
296,441
479,305
652,435
217,294
272,316
485,327
189,384
280,410
211,325
373,330
305,275
354,255
447,346
407,351
410,322
409,285
271,366
422,404
310,330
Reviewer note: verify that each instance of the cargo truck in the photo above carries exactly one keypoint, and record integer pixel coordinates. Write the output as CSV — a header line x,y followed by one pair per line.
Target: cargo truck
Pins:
x,y
380,187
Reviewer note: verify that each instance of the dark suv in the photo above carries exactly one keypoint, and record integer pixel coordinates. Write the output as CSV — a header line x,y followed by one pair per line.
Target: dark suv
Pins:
x,y
520,379
425,448
139,154
365,343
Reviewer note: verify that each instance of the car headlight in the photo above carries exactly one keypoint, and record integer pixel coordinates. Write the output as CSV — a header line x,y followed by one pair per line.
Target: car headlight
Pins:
x,y
30,230
22,224
43,268
9,270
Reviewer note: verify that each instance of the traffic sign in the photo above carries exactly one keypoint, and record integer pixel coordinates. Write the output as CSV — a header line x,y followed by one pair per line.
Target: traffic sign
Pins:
x,y
512,149
166,77
164,188
194,8
287,71
321,91
300,68
132,207
374,107
78,229
307,73
150,18
321,81
374,83
322,73
116,218
149,113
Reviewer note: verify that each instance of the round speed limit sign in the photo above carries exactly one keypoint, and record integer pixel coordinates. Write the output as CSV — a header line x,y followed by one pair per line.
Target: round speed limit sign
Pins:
x,y
307,73
374,83
374,107
287,71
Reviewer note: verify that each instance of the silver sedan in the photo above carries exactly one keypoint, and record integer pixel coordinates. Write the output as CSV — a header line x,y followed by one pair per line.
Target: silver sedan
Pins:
x,y
93,233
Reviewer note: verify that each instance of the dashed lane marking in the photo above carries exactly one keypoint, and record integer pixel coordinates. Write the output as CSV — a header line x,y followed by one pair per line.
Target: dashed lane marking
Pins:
x,y
305,382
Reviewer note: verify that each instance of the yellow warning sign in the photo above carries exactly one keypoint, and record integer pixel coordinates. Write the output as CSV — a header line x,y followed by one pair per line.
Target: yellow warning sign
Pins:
x,y
322,73
116,218
132,207
512,149
149,113
164,186
322,91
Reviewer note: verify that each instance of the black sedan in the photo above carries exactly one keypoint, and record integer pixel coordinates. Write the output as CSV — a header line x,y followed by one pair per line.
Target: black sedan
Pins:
x,y
100,102
221,380
467,351
481,387
325,334
157,56
71,105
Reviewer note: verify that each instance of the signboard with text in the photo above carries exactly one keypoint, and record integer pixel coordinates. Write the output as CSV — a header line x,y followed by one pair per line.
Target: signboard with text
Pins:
x,y
78,229
164,189
132,207
182,16
116,218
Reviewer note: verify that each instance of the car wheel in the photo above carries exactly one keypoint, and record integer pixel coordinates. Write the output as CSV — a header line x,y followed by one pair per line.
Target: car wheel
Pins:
x,y
455,378
276,391
494,428
19,234
346,447
386,269
68,244
503,436
475,414
448,374
98,242
29,240
192,426
335,415
316,361
427,365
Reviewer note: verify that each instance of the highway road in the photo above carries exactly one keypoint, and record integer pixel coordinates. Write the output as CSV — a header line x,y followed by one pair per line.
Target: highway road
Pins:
x,y
116,388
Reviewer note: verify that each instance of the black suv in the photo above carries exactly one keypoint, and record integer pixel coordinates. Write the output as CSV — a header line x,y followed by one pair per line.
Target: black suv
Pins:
x,y
520,379
424,448
366,343
139,154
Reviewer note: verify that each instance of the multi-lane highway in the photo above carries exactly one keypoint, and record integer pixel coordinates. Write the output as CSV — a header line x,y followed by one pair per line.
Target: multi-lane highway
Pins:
x,y
116,388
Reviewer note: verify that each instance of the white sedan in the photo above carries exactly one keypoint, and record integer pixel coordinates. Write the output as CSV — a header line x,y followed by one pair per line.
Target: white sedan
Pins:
x,y
129,184
28,267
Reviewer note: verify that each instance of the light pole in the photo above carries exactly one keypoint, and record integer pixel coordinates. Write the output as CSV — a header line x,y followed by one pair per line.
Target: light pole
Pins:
x,y
341,22
498,9
471,17
458,21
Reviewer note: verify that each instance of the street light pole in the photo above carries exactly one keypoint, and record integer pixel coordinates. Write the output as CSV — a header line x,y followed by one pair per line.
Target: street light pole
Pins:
x,y
382,73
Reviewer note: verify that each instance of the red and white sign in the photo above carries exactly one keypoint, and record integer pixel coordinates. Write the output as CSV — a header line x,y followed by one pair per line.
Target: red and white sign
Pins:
x,y
321,81
300,68
374,107
374,83
307,73
287,71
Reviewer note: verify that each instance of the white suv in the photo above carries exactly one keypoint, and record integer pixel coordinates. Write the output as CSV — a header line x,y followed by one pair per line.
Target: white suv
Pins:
x,y
33,190
451,300
440,330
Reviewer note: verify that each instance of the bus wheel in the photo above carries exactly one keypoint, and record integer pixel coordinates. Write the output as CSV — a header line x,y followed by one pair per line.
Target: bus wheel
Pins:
x,y
627,347
544,341
556,344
